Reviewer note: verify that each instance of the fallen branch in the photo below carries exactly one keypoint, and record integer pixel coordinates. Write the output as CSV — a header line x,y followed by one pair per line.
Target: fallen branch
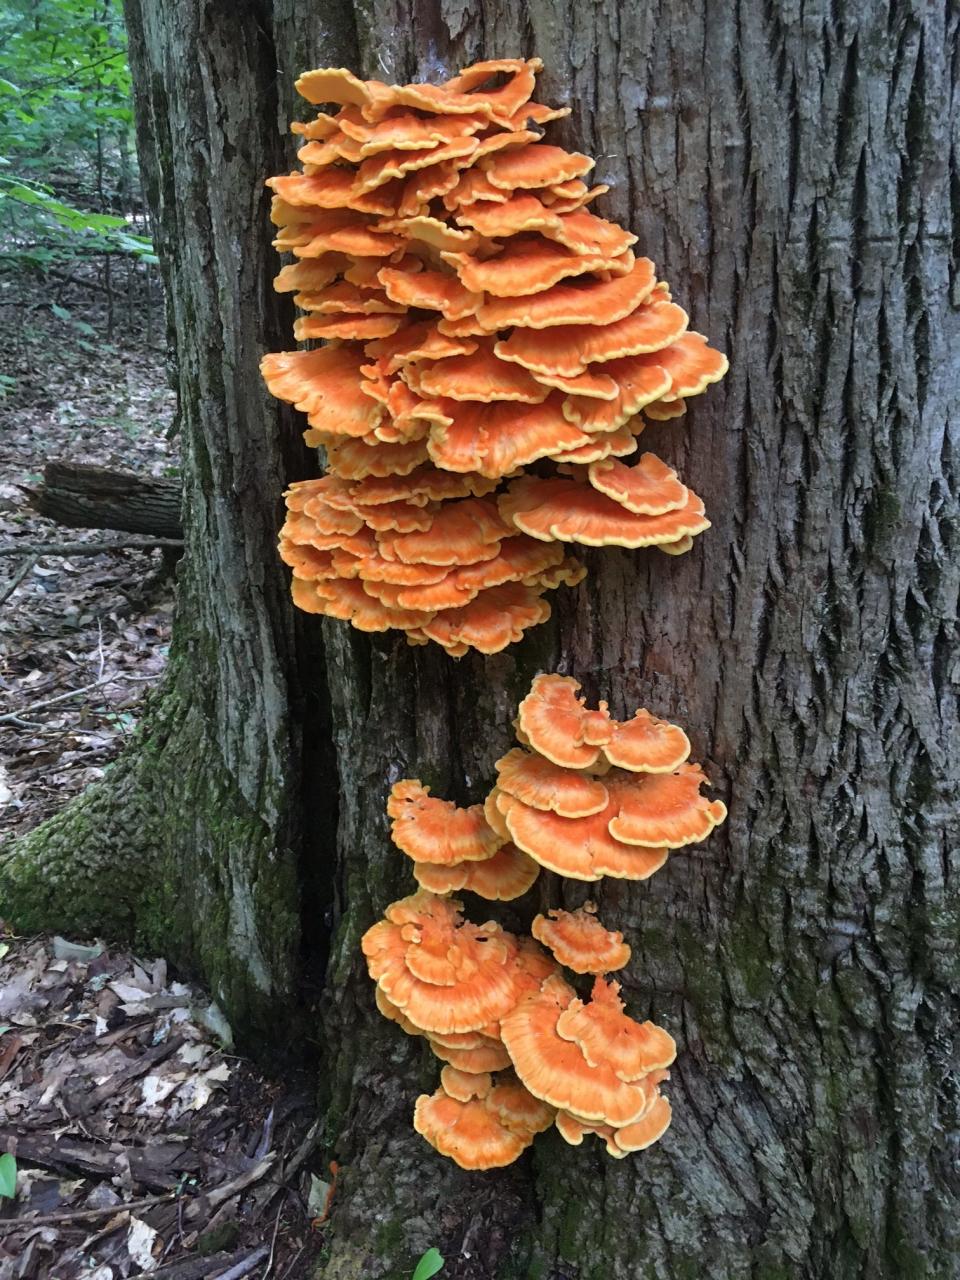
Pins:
x,y
79,1215
227,1190
87,548
93,497
7,591
238,1264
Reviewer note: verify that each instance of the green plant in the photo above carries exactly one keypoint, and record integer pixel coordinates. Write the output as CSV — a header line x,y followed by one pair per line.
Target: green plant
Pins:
x,y
429,1265
8,1180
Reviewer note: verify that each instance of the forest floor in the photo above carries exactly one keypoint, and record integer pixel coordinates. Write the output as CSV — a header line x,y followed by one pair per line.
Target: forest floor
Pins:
x,y
142,1146
82,637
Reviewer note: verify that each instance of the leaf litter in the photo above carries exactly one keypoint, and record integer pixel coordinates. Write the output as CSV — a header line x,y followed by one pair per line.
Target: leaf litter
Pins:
x,y
91,620
142,1146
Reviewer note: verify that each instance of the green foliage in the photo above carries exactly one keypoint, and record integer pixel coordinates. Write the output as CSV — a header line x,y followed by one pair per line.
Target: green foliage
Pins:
x,y
68,175
8,1178
429,1265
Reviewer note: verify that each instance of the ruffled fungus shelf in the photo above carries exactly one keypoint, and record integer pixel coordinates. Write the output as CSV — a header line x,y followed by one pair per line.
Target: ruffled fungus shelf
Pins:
x,y
478,318
585,795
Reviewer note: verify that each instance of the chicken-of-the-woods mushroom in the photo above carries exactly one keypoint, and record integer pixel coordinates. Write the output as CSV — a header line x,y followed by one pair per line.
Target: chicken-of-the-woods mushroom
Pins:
x,y
477,317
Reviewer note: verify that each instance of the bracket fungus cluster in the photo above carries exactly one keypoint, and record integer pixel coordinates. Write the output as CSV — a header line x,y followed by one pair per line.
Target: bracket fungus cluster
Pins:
x,y
523,1051
477,318
588,796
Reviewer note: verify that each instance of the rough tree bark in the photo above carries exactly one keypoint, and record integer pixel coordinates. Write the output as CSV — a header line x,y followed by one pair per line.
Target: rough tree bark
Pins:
x,y
788,167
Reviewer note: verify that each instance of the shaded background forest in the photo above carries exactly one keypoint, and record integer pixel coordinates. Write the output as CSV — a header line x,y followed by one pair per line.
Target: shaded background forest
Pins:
x,y
83,379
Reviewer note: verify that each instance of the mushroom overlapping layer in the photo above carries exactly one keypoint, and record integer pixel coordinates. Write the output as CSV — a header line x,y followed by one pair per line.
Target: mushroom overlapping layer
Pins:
x,y
587,796
593,796
580,942
478,1123
478,318
454,849
599,1067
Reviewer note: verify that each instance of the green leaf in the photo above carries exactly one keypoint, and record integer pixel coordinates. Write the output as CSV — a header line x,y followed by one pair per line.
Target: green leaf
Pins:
x,y
8,1180
429,1265
60,312
4,948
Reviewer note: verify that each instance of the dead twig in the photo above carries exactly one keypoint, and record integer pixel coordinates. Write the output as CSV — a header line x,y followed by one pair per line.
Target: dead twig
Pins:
x,y
246,1265
273,1242
15,716
227,1190
199,1268
80,1215
27,567
87,548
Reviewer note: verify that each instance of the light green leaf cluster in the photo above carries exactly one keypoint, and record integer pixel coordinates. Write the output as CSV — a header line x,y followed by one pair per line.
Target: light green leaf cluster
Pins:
x,y
67,159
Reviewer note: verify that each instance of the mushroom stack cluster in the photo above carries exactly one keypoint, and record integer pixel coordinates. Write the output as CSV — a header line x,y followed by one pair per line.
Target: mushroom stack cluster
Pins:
x,y
477,318
488,1001
589,796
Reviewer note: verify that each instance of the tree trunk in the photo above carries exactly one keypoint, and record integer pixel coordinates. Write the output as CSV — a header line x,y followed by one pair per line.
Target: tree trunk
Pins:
x,y
788,170
88,497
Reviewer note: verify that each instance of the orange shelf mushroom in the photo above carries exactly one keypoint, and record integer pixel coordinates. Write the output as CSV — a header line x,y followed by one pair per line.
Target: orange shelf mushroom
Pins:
x,y
479,1124
552,1060
587,796
478,317
596,796
579,941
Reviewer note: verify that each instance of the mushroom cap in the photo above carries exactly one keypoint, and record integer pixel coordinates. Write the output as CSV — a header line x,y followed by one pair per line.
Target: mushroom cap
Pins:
x,y
664,410
435,831
505,876
691,363
638,383
519,559
470,1133
580,303
529,264
489,1055
606,1035
460,533
464,1085
586,234
573,1130
345,326
522,211
348,601
480,376
517,1107
419,341
558,725
649,487
613,444
430,290
465,973
325,385
580,848
579,941
536,165
645,1132
647,745
555,1070
566,510
665,810
494,619
498,437
544,785
570,349
357,459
